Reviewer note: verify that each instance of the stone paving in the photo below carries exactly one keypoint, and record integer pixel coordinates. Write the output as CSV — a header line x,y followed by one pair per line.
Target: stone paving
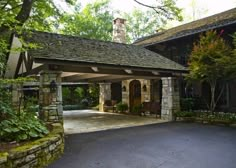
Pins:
x,y
81,121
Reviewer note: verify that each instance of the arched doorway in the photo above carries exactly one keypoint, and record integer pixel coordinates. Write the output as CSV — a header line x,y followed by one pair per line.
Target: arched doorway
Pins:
x,y
134,94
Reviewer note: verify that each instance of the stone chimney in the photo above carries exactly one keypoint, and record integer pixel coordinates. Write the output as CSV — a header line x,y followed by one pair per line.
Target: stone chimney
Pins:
x,y
119,30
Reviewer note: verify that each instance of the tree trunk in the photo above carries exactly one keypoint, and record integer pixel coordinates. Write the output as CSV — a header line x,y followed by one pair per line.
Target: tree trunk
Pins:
x,y
212,103
213,95
21,17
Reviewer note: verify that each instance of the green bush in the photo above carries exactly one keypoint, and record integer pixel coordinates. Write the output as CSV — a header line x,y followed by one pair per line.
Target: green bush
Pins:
x,y
122,107
136,109
186,104
184,114
20,128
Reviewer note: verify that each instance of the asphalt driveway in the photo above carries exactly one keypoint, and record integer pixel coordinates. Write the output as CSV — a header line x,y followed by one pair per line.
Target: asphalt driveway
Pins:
x,y
166,145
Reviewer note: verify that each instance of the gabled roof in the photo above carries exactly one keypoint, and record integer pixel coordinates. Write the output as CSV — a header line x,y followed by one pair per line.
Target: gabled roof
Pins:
x,y
80,50
211,22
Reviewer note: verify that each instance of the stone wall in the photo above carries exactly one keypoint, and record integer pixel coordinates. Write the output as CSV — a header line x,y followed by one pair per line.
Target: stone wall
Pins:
x,y
35,154
145,95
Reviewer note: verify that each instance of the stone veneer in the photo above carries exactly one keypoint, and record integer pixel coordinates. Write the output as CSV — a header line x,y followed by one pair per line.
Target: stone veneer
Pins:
x,y
170,98
36,154
145,95
50,103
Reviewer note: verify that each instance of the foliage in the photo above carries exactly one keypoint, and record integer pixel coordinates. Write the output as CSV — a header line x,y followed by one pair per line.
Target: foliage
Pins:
x,y
223,116
164,8
79,93
16,15
93,21
21,128
184,114
211,61
144,23
17,126
122,107
218,117
186,104
93,91
234,43
136,109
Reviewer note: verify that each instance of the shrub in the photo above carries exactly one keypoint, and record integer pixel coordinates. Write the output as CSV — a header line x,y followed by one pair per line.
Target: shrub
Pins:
x,y
184,114
136,109
122,106
186,104
20,128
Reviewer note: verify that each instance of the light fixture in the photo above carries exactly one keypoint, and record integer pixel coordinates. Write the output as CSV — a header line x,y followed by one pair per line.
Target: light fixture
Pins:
x,y
124,89
144,88
53,86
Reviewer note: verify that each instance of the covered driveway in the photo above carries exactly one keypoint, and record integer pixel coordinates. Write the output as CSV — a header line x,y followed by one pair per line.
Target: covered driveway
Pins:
x,y
82,121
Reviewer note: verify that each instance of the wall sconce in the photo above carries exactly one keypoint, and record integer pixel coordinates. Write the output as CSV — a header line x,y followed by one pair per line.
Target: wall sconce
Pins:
x,y
123,89
53,86
144,88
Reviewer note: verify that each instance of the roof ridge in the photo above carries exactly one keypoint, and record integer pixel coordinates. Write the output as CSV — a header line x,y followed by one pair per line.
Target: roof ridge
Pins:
x,y
76,36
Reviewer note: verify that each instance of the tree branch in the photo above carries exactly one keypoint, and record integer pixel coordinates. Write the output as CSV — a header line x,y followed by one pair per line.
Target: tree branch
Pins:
x,y
157,9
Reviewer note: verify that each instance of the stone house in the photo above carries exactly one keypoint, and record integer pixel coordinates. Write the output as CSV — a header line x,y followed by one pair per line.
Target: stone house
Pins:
x,y
177,43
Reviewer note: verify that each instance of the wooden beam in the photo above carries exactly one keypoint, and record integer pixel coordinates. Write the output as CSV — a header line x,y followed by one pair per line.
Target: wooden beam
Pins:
x,y
110,78
67,68
82,77
78,64
19,63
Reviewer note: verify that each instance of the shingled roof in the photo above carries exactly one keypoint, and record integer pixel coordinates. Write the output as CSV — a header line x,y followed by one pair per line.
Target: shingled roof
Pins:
x,y
211,22
80,50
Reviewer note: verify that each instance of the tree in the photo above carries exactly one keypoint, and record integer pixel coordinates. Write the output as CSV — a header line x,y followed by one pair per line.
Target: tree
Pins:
x,y
142,23
93,21
212,61
16,15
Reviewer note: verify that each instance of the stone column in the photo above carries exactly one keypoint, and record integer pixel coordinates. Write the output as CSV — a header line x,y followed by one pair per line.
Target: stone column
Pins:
x,y
105,94
50,101
170,98
17,97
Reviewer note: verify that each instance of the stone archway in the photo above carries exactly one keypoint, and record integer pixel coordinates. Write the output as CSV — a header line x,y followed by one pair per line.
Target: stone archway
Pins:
x,y
135,93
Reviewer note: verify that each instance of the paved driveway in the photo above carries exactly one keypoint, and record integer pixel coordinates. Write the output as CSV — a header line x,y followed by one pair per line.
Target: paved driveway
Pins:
x,y
80,121
166,145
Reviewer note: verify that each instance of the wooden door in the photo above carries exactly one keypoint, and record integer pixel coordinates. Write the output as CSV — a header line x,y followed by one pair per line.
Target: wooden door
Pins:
x,y
134,93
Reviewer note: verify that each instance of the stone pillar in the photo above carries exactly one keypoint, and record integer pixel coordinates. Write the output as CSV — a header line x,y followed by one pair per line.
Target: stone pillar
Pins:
x,y
170,98
17,97
105,94
50,101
